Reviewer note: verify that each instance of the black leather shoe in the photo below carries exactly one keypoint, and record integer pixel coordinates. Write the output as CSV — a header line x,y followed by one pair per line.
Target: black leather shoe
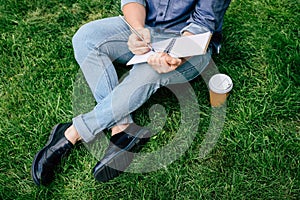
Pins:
x,y
45,161
118,155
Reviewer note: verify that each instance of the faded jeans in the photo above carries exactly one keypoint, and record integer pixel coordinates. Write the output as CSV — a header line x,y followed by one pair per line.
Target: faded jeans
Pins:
x,y
97,45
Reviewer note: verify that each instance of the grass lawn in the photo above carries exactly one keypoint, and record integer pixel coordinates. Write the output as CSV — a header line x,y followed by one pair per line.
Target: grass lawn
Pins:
x,y
256,157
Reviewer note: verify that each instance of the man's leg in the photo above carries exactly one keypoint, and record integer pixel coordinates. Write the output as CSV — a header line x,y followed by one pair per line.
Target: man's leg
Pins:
x,y
96,45
132,92
141,82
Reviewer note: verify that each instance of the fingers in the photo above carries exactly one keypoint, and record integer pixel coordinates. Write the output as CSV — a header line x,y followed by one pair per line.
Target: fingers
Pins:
x,y
158,59
163,62
145,33
138,46
173,62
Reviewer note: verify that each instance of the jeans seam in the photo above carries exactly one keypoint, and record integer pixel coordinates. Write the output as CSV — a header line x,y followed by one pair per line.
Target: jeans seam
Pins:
x,y
100,44
107,40
104,69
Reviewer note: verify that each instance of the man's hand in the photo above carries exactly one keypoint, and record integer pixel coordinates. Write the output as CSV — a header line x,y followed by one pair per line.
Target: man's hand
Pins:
x,y
163,62
136,45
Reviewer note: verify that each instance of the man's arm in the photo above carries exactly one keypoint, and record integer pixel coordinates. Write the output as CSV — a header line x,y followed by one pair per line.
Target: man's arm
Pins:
x,y
135,14
207,16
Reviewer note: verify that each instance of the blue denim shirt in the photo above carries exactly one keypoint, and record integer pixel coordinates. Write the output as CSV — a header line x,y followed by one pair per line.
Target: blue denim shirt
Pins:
x,y
195,16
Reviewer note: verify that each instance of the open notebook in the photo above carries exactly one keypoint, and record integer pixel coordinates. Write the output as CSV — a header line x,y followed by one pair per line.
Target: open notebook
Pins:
x,y
177,47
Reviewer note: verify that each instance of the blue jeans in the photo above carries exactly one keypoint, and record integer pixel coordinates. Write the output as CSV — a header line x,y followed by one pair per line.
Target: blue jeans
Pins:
x,y
100,43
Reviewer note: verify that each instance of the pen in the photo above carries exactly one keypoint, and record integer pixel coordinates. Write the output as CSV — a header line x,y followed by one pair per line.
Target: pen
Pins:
x,y
137,34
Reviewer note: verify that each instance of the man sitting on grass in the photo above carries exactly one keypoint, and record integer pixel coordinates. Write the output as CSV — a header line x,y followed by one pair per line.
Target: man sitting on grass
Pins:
x,y
101,43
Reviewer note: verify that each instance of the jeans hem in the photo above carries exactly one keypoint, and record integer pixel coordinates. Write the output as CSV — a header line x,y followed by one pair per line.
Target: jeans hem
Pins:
x,y
82,129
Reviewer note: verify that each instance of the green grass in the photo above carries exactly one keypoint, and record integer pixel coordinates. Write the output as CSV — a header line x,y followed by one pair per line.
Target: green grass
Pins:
x,y
257,155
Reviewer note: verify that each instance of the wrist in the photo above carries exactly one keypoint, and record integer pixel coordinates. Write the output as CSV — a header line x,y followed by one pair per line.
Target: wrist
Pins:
x,y
187,33
139,27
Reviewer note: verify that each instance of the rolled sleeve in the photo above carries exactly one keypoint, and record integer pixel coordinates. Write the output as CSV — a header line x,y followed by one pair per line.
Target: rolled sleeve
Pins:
x,y
210,14
195,29
124,2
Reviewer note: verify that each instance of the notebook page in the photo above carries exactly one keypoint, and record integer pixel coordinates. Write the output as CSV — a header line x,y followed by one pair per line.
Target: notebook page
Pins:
x,y
191,45
183,47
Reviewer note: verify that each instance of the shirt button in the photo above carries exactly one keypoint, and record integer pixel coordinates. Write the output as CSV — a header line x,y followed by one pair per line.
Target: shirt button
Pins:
x,y
161,14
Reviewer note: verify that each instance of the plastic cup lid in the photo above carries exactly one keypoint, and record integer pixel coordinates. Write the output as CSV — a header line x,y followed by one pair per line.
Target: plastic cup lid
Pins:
x,y
220,83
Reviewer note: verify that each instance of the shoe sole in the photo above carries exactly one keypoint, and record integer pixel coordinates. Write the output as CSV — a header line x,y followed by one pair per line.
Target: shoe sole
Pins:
x,y
110,169
121,160
39,155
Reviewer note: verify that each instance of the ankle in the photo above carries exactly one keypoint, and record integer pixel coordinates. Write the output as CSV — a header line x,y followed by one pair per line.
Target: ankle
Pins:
x,y
72,135
118,128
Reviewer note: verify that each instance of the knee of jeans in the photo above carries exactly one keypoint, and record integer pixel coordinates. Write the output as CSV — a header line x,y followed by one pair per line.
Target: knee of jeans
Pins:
x,y
82,41
80,44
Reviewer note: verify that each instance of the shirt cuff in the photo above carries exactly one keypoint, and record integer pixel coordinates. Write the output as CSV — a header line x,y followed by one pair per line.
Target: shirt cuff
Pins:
x,y
124,2
195,29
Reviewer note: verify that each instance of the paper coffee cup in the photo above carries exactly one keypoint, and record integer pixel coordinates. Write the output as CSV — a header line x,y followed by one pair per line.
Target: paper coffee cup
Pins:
x,y
219,87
